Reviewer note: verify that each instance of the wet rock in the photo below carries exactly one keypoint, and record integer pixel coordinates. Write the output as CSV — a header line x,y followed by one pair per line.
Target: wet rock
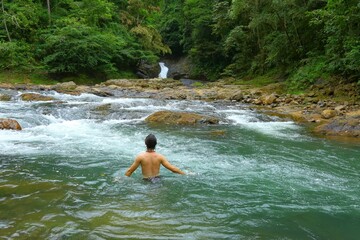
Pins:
x,y
148,70
218,132
9,124
101,92
328,113
180,118
5,97
35,97
68,88
103,107
349,127
179,68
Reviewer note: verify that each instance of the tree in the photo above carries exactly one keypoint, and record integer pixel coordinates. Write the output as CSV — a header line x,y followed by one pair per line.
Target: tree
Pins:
x,y
4,20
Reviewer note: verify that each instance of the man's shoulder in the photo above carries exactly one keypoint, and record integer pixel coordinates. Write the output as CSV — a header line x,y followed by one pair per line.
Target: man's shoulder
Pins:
x,y
160,156
140,156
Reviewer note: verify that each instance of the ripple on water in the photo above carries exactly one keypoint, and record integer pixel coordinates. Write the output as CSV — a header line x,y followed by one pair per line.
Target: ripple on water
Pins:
x,y
63,175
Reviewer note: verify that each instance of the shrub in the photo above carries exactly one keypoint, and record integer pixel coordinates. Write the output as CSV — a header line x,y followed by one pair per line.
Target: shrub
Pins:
x,y
16,56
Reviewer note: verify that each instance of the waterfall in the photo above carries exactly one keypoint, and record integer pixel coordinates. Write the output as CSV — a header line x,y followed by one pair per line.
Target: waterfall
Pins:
x,y
164,70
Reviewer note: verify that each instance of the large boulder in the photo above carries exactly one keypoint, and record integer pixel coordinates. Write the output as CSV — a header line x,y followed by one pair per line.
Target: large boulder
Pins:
x,y
35,97
10,124
180,118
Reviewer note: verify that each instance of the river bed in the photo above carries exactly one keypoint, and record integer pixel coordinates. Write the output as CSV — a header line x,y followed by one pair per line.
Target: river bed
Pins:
x,y
252,176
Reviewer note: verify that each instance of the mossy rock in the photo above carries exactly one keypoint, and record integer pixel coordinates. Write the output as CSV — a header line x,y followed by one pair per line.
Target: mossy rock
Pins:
x,y
180,118
5,97
35,97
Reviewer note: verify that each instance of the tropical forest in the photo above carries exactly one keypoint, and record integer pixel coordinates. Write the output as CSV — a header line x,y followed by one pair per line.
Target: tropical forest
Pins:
x,y
298,40
179,119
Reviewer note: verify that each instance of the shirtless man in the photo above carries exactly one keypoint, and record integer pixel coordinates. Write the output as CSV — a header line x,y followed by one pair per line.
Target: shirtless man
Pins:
x,y
150,161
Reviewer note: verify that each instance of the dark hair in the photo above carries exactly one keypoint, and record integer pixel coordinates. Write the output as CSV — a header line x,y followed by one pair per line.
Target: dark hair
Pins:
x,y
150,141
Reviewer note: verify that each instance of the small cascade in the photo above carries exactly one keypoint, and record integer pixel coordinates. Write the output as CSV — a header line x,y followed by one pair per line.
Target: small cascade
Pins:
x,y
164,70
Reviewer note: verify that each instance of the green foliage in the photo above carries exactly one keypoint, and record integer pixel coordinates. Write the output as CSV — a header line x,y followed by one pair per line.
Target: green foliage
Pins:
x,y
104,38
23,77
244,37
16,55
308,74
198,84
171,26
78,48
258,81
22,19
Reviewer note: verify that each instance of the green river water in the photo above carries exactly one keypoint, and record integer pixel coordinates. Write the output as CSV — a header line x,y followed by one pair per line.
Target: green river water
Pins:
x,y
250,177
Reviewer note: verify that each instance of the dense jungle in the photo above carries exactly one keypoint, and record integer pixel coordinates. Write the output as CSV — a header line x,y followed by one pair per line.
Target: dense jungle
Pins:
x,y
296,41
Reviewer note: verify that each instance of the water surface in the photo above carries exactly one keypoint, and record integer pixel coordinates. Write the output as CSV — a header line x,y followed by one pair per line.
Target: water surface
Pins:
x,y
251,177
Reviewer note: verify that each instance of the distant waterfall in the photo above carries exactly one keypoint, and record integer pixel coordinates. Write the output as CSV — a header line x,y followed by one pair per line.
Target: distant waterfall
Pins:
x,y
164,70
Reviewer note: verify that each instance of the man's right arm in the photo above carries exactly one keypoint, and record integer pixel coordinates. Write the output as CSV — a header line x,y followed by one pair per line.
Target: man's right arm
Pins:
x,y
171,167
133,167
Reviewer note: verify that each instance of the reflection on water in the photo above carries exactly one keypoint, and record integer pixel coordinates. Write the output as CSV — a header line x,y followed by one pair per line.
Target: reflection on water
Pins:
x,y
252,176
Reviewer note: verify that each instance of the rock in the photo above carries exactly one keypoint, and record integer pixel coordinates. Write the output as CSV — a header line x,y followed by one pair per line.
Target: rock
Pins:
x,y
180,118
321,104
311,94
298,116
349,127
340,108
66,87
35,97
10,124
218,133
328,113
148,70
354,114
180,68
103,107
315,118
100,92
5,97
257,101
237,96
269,99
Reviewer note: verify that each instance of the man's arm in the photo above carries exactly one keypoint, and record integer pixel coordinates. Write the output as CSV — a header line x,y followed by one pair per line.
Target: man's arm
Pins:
x,y
133,167
172,168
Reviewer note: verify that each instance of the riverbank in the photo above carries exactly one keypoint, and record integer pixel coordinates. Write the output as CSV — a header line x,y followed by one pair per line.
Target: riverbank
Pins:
x,y
327,110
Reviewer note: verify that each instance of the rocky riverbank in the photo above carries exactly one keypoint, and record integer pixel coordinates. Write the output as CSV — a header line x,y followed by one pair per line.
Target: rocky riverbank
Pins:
x,y
326,109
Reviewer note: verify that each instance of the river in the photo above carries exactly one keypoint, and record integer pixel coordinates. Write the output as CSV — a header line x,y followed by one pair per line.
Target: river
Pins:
x,y
250,177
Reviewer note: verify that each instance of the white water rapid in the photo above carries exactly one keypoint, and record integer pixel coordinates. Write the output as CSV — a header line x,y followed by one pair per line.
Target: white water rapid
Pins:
x,y
164,70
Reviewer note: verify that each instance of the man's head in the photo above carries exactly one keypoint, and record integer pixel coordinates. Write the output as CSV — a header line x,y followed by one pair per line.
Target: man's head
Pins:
x,y
150,141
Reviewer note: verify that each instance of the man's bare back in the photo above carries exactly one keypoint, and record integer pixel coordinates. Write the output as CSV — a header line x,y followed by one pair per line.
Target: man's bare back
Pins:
x,y
150,161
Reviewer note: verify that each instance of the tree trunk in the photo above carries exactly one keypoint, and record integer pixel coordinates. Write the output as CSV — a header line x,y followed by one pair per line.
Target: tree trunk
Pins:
x,y
5,24
49,10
